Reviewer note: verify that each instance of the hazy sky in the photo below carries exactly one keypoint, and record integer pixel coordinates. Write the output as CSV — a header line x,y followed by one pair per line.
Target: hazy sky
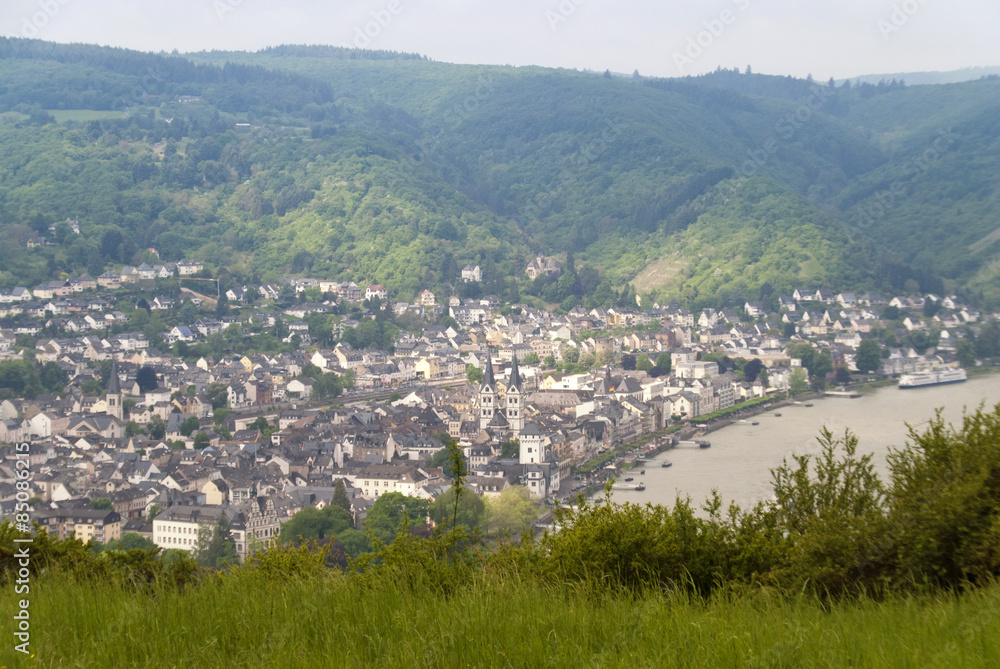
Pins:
x,y
840,38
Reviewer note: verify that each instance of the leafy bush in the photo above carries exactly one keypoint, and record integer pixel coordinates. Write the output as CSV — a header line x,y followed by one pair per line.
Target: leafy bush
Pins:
x,y
944,511
135,568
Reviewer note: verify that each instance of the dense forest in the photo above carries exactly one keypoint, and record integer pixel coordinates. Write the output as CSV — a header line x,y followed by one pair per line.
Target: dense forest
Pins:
x,y
389,168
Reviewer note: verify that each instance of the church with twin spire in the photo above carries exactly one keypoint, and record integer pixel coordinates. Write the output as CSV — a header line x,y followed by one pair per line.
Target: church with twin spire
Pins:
x,y
502,413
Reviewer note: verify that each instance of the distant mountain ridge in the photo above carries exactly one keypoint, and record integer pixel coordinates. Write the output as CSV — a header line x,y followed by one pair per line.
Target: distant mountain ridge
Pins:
x,y
929,78
391,168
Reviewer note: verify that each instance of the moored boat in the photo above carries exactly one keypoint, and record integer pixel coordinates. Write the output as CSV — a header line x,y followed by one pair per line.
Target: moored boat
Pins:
x,y
921,379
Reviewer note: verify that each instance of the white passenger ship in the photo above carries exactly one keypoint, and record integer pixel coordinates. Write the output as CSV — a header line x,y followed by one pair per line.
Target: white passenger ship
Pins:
x,y
921,379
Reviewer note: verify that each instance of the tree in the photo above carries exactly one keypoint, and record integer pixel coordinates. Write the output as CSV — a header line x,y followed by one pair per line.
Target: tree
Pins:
x,y
385,518
471,510
134,541
842,375
92,387
354,542
217,394
966,352
830,513
628,362
216,343
473,374
549,361
643,363
102,503
820,365
868,357
890,313
189,425
511,511
340,496
531,359
315,524
943,509
798,382
571,355
259,424
988,341
511,448
664,361
53,377
330,384
440,459
216,548
752,369
656,372
201,440
152,512
146,378
920,341
220,416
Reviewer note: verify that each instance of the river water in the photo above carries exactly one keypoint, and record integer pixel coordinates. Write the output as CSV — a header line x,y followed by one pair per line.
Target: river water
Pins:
x,y
739,462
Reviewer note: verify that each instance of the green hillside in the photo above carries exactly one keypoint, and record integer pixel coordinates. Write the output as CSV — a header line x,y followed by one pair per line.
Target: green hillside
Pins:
x,y
388,167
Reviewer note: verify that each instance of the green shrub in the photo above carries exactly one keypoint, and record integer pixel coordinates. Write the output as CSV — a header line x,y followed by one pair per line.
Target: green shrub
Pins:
x,y
136,568
944,511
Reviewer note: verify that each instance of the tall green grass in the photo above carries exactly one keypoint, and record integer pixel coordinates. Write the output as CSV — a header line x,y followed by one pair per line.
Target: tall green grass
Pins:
x,y
335,620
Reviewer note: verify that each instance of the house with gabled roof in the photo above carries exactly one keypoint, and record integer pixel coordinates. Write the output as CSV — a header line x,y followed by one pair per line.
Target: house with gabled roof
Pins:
x,y
542,265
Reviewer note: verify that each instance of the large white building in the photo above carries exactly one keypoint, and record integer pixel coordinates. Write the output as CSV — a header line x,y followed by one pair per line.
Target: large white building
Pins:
x,y
178,526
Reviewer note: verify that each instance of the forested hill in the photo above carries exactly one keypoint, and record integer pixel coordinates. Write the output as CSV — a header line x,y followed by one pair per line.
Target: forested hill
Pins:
x,y
387,167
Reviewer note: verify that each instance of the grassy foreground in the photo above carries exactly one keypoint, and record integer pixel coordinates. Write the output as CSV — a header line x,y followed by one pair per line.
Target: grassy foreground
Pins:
x,y
338,621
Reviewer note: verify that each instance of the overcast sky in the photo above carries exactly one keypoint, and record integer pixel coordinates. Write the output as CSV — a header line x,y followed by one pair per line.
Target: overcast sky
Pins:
x,y
840,38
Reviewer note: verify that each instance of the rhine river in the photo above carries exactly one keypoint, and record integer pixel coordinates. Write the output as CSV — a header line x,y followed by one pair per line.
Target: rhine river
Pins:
x,y
739,462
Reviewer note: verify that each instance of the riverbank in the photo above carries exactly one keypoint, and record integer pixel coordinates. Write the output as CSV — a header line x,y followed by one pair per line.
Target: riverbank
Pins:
x,y
594,475
740,462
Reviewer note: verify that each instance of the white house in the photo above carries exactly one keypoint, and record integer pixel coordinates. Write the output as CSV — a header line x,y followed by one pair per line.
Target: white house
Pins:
x,y
376,290
471,273
300,387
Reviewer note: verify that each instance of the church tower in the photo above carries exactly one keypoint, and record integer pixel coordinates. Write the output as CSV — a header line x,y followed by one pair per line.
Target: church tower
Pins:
x,y
515,401
487,395
114,395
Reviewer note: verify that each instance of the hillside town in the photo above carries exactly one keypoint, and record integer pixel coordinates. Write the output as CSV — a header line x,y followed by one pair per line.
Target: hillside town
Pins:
x,y
249,405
